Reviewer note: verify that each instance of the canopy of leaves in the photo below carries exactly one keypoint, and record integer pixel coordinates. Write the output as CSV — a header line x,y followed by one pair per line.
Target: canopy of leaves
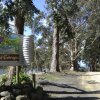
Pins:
x,y
61,10
11,8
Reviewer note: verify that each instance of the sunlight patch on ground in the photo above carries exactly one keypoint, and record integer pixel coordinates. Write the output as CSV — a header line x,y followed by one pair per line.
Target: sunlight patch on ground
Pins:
x,y
90,81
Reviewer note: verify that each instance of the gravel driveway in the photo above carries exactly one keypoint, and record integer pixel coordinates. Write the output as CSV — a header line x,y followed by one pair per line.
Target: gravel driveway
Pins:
x,y
71,86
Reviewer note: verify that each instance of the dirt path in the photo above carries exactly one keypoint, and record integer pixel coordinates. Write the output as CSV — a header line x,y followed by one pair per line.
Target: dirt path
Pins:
x,y
72,86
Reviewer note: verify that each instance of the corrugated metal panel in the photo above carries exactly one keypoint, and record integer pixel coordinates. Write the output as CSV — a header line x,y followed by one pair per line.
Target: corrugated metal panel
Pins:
x,y
28,49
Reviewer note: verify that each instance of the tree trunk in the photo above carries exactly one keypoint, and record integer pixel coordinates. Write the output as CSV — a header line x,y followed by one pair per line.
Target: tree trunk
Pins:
x,y
10,74
71,59
75,64
73,51
75,61
93,65
19,24
55,51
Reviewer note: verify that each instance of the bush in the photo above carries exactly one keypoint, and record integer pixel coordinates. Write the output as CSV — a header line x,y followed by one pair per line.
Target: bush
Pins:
x,y
3,79
23,78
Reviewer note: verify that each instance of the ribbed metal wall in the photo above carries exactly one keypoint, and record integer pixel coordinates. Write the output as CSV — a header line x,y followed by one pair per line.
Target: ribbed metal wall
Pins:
x,y
28,49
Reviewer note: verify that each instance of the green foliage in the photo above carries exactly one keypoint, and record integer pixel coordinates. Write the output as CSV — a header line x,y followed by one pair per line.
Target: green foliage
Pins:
x,y
19,6
23,78
10,42
3,79
60,11
22,9
92,45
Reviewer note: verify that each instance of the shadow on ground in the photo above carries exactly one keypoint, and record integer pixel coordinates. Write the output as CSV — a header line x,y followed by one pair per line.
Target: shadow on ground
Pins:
x,y
82,86
63,86
80,91
75,98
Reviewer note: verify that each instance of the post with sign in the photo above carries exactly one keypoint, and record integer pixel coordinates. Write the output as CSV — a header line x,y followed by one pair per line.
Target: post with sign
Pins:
x,y
10,52
16,50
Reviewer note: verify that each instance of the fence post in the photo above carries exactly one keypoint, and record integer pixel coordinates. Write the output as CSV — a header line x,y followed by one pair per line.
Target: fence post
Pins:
x,y
34,80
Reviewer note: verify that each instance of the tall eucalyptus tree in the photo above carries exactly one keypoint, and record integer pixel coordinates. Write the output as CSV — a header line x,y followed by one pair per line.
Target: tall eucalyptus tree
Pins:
x,y
92,47
59,11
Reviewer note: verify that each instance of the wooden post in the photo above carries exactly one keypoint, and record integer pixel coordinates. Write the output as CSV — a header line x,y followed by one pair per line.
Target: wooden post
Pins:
x,y
34,80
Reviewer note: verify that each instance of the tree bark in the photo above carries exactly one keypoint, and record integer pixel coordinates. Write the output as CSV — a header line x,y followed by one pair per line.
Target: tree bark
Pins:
x,y
10,74
93,65
55,51
19,24
73,51
75,64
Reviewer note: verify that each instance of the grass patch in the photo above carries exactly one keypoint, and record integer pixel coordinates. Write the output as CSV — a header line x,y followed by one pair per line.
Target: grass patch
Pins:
x,y
74,72
50,76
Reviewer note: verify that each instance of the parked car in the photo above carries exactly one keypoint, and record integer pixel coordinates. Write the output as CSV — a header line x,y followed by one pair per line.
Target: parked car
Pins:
x,y
84,69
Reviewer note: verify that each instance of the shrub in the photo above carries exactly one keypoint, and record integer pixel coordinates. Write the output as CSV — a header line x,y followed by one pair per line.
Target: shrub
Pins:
x,y
23,78
3,79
